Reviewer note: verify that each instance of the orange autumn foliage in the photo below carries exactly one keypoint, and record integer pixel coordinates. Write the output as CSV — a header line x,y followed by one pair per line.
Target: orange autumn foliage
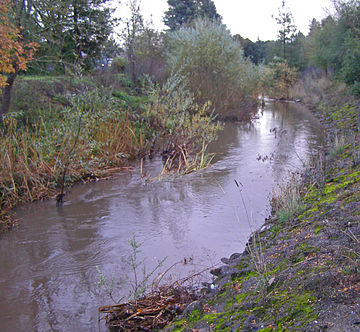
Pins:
x,y
14,51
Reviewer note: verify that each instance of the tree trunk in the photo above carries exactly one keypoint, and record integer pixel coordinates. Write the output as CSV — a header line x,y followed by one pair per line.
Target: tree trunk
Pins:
x,y
6,95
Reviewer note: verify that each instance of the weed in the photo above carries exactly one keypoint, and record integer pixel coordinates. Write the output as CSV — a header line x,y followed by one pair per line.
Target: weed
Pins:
x,y
139,283
287,202
338,148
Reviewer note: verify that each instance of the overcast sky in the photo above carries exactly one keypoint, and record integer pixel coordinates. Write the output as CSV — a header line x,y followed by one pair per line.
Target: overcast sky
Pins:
x,y
249,18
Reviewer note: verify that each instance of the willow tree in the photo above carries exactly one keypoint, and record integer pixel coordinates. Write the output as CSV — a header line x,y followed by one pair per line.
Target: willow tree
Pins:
x,y
213,64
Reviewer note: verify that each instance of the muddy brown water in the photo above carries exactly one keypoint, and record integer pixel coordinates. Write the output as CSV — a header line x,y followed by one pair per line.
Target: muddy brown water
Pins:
x,y
48,265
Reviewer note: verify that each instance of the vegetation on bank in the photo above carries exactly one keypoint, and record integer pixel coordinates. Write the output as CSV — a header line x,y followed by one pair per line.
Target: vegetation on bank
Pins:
x,y
301,269
88,132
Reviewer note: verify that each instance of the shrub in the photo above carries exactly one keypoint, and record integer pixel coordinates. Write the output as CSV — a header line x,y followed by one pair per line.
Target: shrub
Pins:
x,y
181,125
278,79
119,65
213,64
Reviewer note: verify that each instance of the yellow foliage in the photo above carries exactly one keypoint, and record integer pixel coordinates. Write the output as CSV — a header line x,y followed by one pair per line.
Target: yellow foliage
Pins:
x,y
14,51
278,79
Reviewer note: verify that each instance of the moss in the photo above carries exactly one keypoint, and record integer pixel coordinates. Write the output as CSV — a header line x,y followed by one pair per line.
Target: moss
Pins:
x,y
245,277
300,272
178,325
318,229
194,316
289,308
240,297
210,318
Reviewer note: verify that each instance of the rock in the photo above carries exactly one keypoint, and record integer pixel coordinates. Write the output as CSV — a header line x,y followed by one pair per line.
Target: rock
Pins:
x,y
233,260
192,307
225,260
235,256
266,227
224,271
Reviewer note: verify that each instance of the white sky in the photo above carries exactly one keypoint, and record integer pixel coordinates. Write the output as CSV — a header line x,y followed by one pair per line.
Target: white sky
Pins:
x,y
249,18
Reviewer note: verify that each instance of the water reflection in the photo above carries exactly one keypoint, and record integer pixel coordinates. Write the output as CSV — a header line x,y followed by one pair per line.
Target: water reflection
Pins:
x,y
48,265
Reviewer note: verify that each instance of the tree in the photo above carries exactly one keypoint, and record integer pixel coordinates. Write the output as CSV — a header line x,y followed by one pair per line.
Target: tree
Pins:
x,y
350,66
149,53
327,45
349,18
213,64
133,26
206,8
185,11
297,55
180,12
313,27
287,29
255,52
72,31
15,52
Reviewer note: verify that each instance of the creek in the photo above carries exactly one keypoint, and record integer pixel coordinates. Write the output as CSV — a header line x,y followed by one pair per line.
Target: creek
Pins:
x,y
49,263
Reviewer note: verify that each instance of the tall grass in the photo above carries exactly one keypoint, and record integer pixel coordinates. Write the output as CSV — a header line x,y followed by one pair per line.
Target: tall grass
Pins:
x,y
287,201
89,136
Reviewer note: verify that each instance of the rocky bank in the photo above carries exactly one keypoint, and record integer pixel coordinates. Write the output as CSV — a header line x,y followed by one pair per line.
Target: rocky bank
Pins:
x,y
301,270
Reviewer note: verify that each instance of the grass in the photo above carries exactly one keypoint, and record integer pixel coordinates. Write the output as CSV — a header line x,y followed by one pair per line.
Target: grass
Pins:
x,y
287,202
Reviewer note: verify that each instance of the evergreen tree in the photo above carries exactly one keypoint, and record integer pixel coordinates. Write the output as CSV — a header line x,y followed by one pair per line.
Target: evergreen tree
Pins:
x,y
206,8
313,27
287,29
185,11
180,12
72,31
327,45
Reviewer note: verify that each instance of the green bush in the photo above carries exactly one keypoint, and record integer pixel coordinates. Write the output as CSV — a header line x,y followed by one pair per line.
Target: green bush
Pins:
x,y
213,65
350,67
355,88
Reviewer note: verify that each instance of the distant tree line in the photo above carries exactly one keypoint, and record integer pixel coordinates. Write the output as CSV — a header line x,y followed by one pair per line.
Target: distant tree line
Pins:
x,y
332,45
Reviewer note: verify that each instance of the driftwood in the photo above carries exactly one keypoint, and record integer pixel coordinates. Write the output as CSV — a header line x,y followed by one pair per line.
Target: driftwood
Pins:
x,y
154,311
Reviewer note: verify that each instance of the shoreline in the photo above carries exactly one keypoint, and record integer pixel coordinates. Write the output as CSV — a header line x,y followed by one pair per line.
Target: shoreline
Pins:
x,y
301,273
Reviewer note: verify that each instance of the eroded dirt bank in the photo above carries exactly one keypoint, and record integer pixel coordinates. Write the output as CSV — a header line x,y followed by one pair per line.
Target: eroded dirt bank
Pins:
x,y
301,270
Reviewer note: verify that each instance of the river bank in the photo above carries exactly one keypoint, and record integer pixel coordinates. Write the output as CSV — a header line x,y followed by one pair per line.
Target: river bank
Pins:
x,y
74,131
300,271
53,255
